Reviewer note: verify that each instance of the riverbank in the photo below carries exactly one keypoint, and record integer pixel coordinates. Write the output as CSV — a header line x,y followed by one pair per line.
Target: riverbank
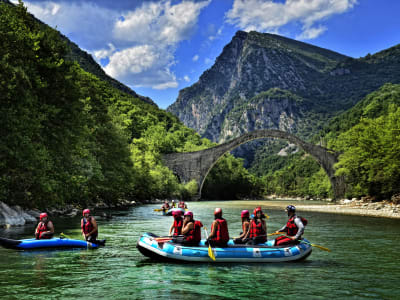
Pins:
x,y
385,209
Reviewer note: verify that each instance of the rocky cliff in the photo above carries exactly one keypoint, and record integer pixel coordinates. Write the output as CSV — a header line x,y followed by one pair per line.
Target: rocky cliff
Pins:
x,y
258,81
265,81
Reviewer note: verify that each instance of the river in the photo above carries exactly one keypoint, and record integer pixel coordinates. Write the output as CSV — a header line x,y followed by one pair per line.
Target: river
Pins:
x,y
363,264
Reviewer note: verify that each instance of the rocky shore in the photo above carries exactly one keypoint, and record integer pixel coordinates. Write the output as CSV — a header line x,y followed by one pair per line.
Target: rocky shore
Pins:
x,y
385,209
17,216
366,206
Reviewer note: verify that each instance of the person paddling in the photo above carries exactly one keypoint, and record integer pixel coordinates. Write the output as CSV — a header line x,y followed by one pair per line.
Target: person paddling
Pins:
x,y
258,228
294,228
191,231
45,228
89,227
245,215
219,235
176,227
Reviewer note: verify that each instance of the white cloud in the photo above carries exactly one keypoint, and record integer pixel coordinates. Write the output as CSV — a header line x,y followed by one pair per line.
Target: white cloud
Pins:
x,y
140,44
195,58
208,61
84,22
186,78
104,53
144,66
269,16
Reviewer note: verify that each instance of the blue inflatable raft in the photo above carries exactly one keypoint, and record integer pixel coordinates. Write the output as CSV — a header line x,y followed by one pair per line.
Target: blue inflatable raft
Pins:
x,y
56,243
169,251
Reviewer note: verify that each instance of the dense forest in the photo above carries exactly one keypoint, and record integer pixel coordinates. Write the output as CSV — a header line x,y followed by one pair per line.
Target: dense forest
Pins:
x,y
68,137
368,138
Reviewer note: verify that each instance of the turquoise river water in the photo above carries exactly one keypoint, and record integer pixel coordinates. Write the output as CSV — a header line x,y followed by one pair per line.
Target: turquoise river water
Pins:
x,y
364,262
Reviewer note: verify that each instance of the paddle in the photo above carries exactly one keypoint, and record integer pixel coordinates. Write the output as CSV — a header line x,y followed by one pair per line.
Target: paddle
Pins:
x,y
158,209
269,234
66,236
313,245
210,251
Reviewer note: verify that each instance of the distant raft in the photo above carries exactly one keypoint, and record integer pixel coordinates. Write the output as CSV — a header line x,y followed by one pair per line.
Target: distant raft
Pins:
x,y
54,243
265,253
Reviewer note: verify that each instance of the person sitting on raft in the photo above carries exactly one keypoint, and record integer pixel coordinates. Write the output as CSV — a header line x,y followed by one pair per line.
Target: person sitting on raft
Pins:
x,y
245,215
165,206
89,227
219,235
258,228
182,204
294,228
45,228
176,227
191,231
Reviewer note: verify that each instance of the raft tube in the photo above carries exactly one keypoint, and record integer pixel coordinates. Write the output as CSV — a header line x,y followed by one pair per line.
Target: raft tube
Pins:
x,y
169,212
169,251
56,243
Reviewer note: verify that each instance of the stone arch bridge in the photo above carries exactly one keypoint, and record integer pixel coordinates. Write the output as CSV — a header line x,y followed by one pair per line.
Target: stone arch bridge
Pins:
x,y
196,165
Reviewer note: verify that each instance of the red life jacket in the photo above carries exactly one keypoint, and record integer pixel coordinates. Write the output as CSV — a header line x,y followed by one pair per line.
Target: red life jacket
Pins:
x,y
194,235
256,229
177,226
291,226
181,205
87,225
222,234
42,227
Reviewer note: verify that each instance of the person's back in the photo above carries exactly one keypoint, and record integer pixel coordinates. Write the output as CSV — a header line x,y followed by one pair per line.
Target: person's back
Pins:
x,y
219,235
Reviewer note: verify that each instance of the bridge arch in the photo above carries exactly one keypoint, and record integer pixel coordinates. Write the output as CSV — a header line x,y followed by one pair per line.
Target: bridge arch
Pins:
x,y
196,165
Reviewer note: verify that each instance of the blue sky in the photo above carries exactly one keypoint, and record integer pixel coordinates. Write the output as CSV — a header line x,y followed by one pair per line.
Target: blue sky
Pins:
x,y
160,47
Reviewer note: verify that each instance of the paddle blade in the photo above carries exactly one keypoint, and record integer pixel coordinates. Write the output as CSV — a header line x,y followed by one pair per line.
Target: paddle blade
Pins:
x,y
66,236
211,253
158,209
320,247
275,233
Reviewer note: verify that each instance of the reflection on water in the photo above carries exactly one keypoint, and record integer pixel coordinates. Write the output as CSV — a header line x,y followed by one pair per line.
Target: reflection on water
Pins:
x,y
362,264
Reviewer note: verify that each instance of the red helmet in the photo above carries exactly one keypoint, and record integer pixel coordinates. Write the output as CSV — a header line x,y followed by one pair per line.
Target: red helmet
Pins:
x,y
189,213
245,213
86,211
43,215
177,213
218,212
257,209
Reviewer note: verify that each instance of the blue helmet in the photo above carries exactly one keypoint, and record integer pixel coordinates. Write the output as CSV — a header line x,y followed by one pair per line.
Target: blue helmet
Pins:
x,y
291,208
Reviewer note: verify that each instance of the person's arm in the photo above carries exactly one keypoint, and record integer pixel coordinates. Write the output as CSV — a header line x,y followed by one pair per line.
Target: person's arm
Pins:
x,y
170,229
264,225
213,232
50,227
187,227
245,230
283,229
300,226
248,231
